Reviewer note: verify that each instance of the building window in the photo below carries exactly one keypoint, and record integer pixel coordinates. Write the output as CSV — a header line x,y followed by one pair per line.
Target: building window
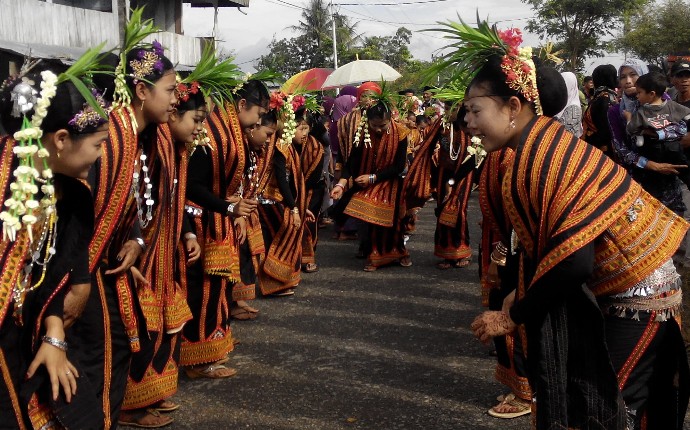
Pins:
x,y
99,5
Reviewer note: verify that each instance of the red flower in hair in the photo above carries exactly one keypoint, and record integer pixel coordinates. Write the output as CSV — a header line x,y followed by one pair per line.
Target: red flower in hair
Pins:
x,y
195,87
277,100
513,38
298,102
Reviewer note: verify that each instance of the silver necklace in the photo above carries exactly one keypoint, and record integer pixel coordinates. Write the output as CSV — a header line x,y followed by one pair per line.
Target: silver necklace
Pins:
x,y
144,218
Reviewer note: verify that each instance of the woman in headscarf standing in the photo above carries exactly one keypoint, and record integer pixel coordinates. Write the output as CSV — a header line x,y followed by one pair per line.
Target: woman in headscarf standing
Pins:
x,y
571,115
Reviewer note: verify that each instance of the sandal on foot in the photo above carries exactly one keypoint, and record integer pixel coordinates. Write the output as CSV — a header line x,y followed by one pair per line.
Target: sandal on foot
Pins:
x,y
284,293
444,265
370,268
241,314
144,418
462,263
244,305
166,406
310,268
213,371
511,407
406,261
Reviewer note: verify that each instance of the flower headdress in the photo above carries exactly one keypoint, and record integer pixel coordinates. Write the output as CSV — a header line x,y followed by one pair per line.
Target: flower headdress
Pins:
x,y
89,117
384,96
473,46
21,209
286,105
135,32
213,78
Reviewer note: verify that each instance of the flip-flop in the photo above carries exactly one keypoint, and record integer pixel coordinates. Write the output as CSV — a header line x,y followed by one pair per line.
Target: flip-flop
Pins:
x,y
406,262
166,406
521,407
208,372
241,314
462,263
310,268
136,419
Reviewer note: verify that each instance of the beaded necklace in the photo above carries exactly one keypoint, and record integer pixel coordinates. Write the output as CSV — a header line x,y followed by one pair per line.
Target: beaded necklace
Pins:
x,y
144,218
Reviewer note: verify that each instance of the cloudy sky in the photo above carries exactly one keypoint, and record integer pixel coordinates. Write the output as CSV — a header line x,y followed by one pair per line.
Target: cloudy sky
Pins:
x,y
249,32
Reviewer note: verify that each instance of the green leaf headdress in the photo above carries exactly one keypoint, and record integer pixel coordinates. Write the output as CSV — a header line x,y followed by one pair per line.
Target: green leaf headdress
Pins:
x,y
22,210
370,98
136,31
214,78
471,47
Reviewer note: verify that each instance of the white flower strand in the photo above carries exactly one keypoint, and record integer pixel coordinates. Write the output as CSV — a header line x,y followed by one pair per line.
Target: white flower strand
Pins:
x,y
363,129
145,217
290,125
22,206
476,149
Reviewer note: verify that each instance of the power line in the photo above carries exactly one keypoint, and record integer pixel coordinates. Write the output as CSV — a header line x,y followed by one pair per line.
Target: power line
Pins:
x,y
391,4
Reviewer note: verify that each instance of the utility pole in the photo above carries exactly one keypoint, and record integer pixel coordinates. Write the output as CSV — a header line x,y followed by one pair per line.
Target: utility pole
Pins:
x,y
335,43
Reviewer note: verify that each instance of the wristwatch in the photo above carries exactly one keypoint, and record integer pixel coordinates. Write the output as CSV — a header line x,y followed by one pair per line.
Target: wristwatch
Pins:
x,y
141,243
190,236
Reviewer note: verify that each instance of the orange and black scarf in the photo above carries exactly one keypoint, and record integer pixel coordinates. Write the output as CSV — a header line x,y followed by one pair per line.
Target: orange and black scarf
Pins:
x,y
561,193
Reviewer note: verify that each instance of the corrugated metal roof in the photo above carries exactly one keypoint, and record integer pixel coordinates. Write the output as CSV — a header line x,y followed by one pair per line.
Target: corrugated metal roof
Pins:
x,y
219,3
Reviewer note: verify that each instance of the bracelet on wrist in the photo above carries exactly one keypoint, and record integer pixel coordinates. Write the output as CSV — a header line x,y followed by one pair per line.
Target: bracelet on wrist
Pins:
x,y
295,210
189,236
141,243
57,343
340,185
231,208
498,260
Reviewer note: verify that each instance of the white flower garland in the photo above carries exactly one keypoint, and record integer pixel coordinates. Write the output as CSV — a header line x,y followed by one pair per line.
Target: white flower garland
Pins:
x,y
290,125
21,206
363,129
476,149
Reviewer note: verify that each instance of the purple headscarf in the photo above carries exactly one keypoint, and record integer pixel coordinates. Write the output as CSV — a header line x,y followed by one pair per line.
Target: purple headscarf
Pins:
x,y
348,91
342,106
328,105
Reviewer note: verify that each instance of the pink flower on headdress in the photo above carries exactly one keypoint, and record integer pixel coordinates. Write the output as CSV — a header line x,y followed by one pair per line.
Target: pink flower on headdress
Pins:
x,y
298,102
277,100
511,37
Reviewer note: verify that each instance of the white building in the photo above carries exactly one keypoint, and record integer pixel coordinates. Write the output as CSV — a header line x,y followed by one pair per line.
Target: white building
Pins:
x,y
65,28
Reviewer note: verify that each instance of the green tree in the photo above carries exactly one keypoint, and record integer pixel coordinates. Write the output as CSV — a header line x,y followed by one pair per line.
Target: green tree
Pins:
x,y
393,50
657,32
313,47
580,27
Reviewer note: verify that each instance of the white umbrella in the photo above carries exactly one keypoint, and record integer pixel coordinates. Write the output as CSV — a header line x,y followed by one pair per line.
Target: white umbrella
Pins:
x,y
360,71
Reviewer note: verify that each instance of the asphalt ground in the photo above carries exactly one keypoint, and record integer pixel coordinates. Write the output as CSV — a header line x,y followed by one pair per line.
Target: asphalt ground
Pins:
x,y
354,350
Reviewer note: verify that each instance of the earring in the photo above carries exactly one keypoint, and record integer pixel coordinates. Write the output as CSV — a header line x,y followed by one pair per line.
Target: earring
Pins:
x,y
512,123
388,130
251,132
58,154
142,105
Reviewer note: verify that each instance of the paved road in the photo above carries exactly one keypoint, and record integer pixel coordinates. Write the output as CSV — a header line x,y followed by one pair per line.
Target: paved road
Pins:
x,y
355,350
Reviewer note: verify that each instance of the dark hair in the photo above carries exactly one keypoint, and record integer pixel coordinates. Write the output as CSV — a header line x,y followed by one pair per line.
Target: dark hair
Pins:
x,y
301,115
269,118
605,75
378,111
460,122
165,67
317,127
550,84
66,103
653,81
420,119
255,93
408,113
586,79
194,102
